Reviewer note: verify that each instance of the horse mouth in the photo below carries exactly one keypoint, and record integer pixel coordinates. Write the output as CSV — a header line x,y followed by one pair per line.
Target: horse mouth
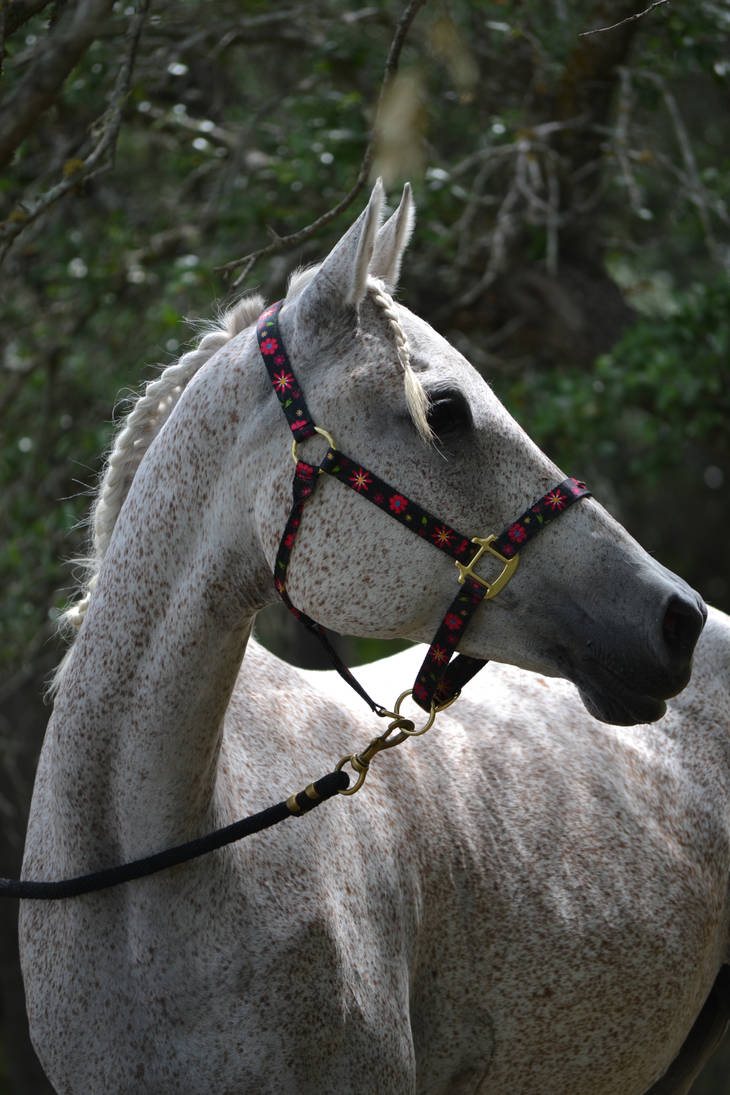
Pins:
x,y
610,697
618,704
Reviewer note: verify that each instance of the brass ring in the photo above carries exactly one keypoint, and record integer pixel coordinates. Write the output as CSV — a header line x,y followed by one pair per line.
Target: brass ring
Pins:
x,y
431,717
323,433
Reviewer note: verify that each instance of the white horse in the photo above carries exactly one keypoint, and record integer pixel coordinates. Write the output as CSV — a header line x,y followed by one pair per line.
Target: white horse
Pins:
x,y
525,900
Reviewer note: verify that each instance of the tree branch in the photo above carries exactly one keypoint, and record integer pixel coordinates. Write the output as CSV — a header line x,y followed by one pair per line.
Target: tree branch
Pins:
x,y
621,22
101,156
295,238
44,79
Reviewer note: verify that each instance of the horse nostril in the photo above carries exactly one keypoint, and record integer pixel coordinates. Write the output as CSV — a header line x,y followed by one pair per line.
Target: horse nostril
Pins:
x,y
683,621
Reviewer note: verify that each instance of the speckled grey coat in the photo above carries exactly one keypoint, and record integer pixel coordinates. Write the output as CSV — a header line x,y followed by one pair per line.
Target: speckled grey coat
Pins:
x,y
525,901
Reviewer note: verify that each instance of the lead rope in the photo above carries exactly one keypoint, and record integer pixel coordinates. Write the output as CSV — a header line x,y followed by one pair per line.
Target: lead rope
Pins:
x,y
295,806
439,680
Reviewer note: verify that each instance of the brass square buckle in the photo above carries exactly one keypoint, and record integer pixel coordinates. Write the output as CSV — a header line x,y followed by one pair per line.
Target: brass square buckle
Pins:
x,y
492,588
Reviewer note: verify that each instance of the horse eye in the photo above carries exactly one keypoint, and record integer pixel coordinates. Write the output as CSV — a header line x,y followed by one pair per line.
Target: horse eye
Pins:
x,y
449,413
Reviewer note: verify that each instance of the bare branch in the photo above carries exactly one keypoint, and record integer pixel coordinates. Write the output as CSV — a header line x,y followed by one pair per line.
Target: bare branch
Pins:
x,y
20,11
622,22
621,143
696,190
391,67
100,158
44,79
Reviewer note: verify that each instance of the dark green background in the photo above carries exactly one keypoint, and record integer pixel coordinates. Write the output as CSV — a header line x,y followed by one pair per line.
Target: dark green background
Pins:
x,y
572,239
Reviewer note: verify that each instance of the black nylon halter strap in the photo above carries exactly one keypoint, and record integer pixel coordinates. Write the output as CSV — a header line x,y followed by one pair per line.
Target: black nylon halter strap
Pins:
x,y
439,679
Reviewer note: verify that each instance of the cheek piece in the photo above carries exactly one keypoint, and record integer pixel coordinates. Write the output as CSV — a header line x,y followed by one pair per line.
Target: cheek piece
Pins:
x,y
439,679
442,674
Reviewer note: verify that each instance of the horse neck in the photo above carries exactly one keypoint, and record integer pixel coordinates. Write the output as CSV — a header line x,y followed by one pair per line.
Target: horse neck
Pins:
x,y
138,719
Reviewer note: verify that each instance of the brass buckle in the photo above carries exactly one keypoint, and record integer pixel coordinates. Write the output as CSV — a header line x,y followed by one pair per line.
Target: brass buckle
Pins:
x,y
323,433
492,588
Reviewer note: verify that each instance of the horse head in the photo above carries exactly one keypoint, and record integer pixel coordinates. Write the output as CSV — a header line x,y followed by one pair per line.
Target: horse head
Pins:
x,y
586,601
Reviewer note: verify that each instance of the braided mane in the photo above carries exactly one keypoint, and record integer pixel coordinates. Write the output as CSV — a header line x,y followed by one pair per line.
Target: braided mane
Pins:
x,y
133,438
158,400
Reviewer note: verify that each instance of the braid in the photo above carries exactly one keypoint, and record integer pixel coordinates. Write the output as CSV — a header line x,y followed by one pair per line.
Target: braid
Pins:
x,y
416,398
137,432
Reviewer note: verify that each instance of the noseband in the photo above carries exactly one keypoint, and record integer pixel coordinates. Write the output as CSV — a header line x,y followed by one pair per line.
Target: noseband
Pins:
x,y
442,675
439,679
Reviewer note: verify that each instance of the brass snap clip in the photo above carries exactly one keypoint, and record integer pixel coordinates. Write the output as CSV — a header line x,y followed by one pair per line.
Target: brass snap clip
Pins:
x,y
406,728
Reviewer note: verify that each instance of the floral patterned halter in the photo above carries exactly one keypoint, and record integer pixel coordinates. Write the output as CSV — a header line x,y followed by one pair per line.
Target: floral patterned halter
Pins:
x,y
441,676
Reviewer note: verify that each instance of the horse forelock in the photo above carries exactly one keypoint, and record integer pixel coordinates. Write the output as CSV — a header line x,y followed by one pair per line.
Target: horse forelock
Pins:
x,y
417,400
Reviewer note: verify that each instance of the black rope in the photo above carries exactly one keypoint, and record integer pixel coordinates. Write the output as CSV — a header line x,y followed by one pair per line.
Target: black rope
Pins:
x,y
298,804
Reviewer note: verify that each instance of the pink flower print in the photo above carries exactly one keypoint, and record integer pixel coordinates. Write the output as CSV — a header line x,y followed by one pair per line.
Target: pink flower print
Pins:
x,y
360,480
269,346
398,503
283,380
300,425
517,533
452,621
279,359
442,536
439,655
555,500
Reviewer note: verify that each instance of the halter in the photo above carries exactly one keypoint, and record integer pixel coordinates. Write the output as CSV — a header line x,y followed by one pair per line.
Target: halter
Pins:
x,y
440,679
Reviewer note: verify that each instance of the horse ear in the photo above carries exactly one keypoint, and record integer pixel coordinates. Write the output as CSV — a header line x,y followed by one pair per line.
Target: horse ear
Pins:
x,y
392,240
342,277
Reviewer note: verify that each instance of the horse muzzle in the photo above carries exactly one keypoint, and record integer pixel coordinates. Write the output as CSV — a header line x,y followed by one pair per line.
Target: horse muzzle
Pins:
x,y
625,674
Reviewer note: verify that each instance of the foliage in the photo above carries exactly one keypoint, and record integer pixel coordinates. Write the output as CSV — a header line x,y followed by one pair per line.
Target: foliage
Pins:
x,y
180,136
662,385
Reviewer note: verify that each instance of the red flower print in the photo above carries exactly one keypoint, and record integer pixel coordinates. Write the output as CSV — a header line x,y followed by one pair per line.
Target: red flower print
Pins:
x,y
452,621
439,655
442,536
280,587
283,380
300,425
269,346
555,500
419,691
279,359
398,503
517,533
378,499
461,548
360,480
289,540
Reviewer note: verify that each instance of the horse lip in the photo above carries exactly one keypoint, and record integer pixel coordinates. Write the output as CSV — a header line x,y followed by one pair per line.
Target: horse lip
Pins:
x,y
620,707
607,696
